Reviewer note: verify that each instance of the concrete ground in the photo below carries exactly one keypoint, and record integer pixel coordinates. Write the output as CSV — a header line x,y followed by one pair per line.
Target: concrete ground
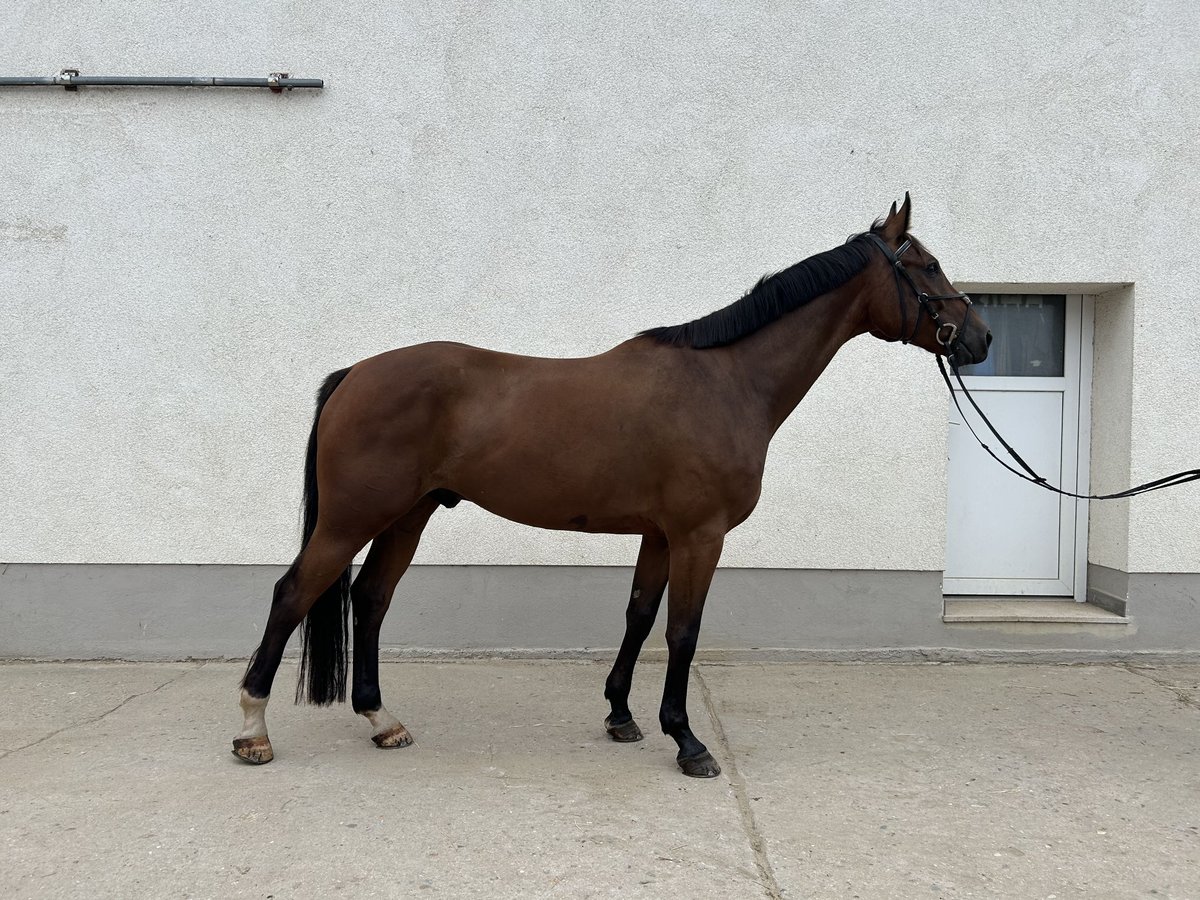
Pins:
x,y
1023,781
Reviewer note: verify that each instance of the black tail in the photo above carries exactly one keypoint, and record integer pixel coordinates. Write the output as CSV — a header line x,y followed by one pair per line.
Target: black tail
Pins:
x,y
323,659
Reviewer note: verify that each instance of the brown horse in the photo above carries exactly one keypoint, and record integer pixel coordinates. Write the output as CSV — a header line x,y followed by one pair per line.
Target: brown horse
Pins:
x,y
664,436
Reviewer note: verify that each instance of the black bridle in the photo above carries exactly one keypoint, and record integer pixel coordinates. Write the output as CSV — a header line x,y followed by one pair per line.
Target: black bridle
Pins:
x,y
948,341
950,344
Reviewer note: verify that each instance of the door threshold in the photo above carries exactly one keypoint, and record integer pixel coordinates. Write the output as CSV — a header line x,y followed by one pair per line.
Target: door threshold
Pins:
x,y
958,609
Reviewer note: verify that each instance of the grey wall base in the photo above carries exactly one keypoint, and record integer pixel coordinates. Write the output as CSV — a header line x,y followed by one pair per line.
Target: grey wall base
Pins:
x,y
174,612
1108,588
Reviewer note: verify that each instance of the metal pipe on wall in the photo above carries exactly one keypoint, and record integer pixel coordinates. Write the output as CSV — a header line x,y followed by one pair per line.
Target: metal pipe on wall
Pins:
x,y
72,79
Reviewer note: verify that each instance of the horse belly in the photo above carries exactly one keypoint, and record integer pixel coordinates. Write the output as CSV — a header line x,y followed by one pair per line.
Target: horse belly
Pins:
x,y
559,518
550,493
564,469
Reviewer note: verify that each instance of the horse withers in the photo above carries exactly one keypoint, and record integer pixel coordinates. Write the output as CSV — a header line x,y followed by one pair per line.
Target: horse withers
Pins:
x,y
664,435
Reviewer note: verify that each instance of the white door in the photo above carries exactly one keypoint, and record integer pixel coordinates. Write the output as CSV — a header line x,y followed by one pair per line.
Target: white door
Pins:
x,y
1006,537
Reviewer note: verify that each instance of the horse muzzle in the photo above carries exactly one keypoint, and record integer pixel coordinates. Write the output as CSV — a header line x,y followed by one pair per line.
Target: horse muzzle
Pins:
x,y
965,350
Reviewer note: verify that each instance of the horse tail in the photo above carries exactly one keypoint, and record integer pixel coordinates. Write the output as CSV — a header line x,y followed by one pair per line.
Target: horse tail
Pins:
x,y
323,658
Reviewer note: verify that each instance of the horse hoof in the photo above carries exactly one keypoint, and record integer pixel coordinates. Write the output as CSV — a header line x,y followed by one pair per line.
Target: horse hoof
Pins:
x,y
256,750
396,736
702,765
625,732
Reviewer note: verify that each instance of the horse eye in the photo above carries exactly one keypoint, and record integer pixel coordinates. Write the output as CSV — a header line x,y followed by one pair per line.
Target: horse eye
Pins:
x,y
932,268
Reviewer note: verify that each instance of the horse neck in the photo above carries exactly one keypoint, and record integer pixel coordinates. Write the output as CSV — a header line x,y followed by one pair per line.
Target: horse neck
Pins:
x,y
783,360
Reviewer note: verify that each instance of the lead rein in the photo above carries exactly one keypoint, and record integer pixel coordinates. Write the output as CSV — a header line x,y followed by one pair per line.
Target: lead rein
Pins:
x,y
1029,474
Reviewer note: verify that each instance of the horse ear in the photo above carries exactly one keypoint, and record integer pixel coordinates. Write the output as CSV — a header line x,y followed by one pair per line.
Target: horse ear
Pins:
x,y
896,223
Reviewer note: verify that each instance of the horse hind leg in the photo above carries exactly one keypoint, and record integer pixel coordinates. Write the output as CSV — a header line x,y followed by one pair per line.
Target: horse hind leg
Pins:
x,y
320,564
649,582
371,595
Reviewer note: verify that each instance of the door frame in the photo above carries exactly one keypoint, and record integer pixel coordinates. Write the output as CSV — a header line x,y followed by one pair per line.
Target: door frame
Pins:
x,y
1079,308
1083,469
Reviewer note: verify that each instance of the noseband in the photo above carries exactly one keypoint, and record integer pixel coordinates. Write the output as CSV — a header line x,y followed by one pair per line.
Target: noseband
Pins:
x,y
947,333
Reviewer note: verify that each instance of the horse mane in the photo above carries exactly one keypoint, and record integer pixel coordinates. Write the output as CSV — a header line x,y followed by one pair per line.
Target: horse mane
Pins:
x,y
771,298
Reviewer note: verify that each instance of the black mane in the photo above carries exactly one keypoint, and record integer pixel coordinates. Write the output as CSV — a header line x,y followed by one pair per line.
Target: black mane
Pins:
x,y
771,298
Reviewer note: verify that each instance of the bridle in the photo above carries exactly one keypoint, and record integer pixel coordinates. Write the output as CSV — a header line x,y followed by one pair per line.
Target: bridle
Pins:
x,y
947,333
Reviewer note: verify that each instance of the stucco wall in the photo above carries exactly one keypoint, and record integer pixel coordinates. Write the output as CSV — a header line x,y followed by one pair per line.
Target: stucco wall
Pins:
x,y
179,268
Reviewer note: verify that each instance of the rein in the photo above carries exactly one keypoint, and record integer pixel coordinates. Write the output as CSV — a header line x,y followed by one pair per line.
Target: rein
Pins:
x,y
950,344
1029,474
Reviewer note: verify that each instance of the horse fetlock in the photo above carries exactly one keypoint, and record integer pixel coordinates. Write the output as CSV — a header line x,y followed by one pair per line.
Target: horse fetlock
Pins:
x,y
616,689
254,715
366,702
674,723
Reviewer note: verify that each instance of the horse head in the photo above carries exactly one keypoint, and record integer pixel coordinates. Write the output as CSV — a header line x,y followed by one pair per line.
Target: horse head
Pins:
x,y
914,302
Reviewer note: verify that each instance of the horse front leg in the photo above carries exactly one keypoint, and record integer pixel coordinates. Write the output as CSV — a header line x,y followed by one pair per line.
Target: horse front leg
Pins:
x,y
693,562
649,582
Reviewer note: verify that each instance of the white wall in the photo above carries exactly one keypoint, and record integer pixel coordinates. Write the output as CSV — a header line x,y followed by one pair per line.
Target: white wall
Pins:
x,y
179,268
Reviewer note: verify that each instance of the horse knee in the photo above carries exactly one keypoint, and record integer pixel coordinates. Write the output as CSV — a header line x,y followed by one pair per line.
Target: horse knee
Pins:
x,y
683,637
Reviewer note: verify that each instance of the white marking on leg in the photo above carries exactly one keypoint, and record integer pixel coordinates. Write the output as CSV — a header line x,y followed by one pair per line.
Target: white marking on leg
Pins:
x,y
382,720
255,711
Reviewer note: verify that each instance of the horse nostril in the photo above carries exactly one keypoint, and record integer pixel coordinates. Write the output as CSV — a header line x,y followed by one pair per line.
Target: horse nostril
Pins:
x,y
988,338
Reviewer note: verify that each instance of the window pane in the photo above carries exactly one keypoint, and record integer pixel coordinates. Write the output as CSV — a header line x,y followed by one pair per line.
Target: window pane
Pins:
x,y
1027,334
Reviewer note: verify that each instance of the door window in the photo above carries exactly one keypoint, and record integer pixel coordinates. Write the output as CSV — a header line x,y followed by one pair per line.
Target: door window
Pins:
x,y
1027,335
